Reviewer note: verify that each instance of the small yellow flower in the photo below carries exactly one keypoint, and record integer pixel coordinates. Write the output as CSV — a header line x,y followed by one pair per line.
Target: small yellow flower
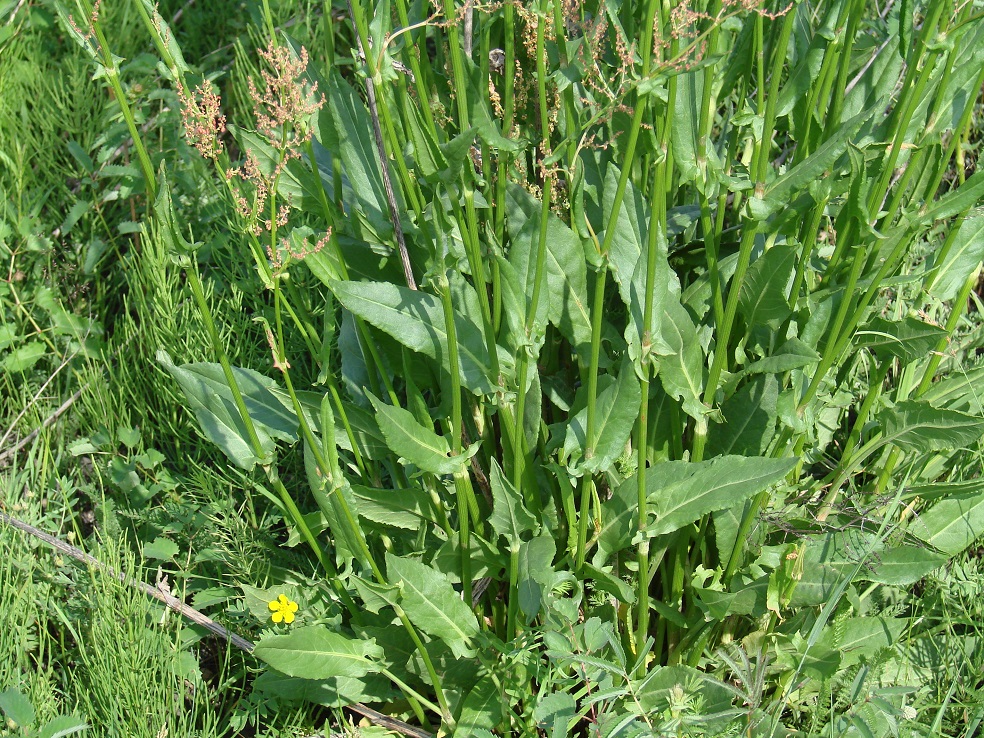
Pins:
x,y
283,609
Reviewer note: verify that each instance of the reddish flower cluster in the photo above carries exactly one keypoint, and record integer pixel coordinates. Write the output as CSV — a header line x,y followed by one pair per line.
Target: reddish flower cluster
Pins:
x,y
90,32
286,103
204,123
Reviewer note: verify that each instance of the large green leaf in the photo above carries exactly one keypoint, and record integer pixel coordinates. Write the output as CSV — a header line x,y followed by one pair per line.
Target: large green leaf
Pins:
x,y
862,637
958,392
314,652
401,508
763,298
416,319
681,370
918,426
563,297
432,604
335,692
211,399
749,419
421,446
907,339
481,708
681,492
509,518
536,573
628,262
616,410
962,260
902,565
783,188
953,523
345,129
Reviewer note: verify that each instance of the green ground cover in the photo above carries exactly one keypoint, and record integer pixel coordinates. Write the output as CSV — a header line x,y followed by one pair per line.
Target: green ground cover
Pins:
x,y
595,369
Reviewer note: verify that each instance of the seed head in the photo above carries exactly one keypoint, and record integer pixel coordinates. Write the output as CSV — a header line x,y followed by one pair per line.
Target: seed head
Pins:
x,y
203,121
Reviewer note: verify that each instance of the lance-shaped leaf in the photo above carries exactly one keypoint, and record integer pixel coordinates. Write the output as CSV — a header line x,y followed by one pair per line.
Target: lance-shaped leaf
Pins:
x,y
964,257
211,399
421,446
416,319
616,408
563,298
918,426
345,129
510,518
681,492
314,652
432,604
954,523
906,340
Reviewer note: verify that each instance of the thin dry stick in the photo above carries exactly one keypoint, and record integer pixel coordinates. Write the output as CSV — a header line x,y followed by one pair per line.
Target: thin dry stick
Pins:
x,y
34,399
47,421
161,594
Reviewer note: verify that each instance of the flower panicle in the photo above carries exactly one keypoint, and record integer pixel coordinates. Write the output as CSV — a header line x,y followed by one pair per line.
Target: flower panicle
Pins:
x,y
204,123
287,101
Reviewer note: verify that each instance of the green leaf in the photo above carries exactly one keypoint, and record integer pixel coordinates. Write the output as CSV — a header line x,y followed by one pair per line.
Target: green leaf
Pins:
x,y
608,582
749,419
209,395
536,573
345,129
432,604
616,410
954,523
335,692
24,357
314,652
962,260
684,126
654,693
906,340
763,298
681,492
563,297
956,201
906,14
167,221
628,262
902,565
958,392
619,514
421,446
416,319
63,725
918,426
862,637
160,548
682,370
781,191
793,354
509,518
481,709
401,508
17,707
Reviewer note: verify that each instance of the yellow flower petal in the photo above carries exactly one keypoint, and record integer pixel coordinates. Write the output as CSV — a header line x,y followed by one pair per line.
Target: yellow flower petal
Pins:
x,y
283,600
292,606
278,616
288,616
274,605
